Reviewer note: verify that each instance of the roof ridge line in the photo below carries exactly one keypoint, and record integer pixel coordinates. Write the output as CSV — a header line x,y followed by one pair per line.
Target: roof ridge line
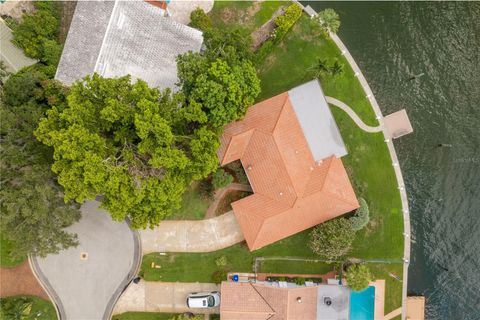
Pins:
x,y
263,298
105,36
311,176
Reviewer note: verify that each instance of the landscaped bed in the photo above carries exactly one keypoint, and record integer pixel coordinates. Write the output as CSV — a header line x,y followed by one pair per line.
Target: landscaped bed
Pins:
x,y
368,164
26,308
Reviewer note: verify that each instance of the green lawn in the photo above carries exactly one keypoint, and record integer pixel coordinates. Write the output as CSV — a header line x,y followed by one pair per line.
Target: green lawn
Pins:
x,y
194,205
368,165
143,316
40,309
6,248
245,15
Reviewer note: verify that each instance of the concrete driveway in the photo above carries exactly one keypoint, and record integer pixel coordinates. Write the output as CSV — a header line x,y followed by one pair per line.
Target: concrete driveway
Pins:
x,y
86,281
193,236
152,296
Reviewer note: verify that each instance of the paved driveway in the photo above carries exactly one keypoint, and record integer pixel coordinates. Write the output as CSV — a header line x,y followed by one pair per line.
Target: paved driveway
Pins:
x,y
152,296
88,285
193,236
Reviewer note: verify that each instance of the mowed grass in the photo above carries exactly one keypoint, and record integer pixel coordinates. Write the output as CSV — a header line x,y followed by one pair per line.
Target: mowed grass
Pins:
x,y
6,249
194,205
143,316
41,309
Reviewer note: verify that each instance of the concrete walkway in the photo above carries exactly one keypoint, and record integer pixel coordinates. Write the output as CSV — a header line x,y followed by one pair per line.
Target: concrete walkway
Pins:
x,y
192,236
86,281
353,115
393,314
152,296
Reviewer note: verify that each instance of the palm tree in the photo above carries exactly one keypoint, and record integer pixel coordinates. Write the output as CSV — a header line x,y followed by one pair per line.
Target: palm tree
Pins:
x,y
319,68
329,20
336,69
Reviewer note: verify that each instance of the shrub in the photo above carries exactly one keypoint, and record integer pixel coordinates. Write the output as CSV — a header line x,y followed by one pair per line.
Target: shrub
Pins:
x,y
358,277
332,239
221,179
300,281
221,261
361,217
200,20
36,29
219,276
286,21
238,171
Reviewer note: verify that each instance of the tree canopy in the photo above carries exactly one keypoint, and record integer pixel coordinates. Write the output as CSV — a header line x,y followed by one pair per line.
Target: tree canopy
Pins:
x,y
33,213
328,20
132,144
332,239
361,217
222,88
358,277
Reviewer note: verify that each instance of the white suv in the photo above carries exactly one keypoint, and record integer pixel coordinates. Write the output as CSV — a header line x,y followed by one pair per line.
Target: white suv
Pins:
x,y
203,299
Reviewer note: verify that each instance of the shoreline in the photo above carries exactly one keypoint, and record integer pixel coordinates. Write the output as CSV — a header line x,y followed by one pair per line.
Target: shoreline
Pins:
x,y
396,166
393,155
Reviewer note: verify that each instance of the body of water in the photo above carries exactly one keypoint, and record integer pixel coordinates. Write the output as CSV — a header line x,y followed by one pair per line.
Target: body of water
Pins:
x,y
440,43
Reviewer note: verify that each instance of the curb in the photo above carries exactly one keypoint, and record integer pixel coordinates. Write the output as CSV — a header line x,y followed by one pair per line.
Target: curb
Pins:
x,y
45,284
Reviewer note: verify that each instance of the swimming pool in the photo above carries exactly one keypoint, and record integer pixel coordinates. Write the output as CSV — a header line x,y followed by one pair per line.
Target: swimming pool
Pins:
x,y
362,304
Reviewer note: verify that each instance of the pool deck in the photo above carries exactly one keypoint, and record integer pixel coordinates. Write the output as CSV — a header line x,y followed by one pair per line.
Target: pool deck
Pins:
x,y
379,310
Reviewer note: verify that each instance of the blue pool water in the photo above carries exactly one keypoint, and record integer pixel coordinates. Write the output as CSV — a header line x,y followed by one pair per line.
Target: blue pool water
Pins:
x,y
362,304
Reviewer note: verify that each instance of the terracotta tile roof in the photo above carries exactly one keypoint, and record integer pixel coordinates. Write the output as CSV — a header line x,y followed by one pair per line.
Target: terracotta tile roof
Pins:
x,y
249,301
292,191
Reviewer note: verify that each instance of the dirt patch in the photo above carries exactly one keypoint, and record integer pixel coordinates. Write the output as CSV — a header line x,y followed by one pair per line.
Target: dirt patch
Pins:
x,y
228,15
67,9
263,33
20,281
225,204
16,9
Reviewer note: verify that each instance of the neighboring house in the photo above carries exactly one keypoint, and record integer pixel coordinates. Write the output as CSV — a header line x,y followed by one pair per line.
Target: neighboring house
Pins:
x,y
268,301
10,54
116,38
289,146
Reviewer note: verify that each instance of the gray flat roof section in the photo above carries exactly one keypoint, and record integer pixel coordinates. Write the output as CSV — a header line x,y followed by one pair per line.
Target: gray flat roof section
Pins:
x,y
126,38
316,120
340,307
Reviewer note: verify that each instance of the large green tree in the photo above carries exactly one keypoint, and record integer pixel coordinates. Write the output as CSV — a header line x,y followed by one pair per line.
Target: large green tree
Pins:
x,y
134,145
221,83
332,239
33,212
358,277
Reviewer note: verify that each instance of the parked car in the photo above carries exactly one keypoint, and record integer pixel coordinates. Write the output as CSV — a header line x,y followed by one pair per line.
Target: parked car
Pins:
x,y
203,299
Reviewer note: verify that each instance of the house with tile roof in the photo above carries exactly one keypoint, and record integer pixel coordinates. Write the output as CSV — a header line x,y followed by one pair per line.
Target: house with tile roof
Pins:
x,y
117,38
290,148
268,301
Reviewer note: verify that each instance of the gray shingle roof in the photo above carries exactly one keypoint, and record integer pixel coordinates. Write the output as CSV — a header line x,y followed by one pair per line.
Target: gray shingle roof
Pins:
x,y
116,38
316,120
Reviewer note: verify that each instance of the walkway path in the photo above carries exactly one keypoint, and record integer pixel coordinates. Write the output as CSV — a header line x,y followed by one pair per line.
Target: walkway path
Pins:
x,y
20,280
219,194
153,296
393,314
192,236
353,115
86,281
